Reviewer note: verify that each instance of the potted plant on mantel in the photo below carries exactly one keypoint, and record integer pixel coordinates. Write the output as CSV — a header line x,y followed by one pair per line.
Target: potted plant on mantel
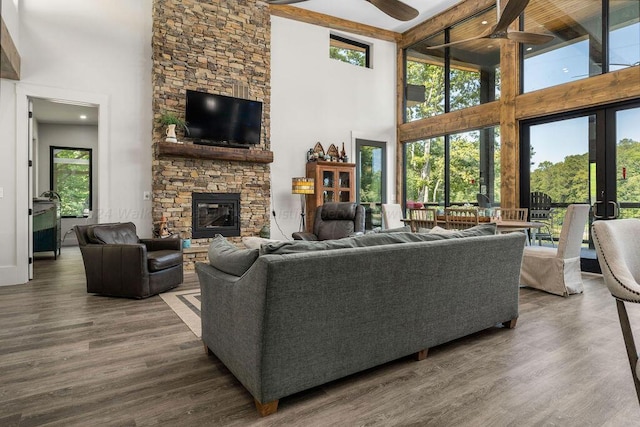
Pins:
x,y
170,120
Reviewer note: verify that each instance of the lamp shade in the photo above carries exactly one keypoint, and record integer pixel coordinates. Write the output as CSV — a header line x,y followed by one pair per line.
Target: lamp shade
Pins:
x,y
302,186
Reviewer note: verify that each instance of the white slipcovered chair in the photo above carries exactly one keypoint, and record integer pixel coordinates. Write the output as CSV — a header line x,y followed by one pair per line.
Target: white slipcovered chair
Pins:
x,y
557,270
392,216
617,244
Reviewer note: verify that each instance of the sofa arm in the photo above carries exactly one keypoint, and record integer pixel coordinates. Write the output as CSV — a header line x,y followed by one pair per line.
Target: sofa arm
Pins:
x,y
114,269
162,244
232,313
303,235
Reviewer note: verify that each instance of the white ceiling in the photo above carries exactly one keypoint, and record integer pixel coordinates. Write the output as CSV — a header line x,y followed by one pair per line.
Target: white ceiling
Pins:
x,y
363,12
63,112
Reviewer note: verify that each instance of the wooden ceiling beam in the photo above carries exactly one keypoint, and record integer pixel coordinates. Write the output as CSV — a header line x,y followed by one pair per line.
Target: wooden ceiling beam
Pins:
x,y
315,18
9,57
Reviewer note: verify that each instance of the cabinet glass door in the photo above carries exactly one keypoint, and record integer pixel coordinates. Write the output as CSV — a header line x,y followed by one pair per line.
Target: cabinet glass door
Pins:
x,y
328,178
328,196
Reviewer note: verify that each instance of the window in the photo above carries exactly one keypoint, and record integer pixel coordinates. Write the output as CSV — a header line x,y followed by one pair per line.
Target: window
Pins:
x,y
585,43
452,78
71,178
349,51
452,169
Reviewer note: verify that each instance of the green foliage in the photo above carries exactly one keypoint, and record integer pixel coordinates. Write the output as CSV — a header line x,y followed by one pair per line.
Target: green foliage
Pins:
x,y
71,172
350,56
171,119
370,179
568,181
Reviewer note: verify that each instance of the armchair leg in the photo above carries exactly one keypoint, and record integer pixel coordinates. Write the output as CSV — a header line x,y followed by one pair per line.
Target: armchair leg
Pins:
x,y
629,343
268,408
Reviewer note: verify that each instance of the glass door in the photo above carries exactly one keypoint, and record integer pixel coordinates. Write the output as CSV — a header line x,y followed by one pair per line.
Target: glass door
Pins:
x,y
371,179
618,187
587,157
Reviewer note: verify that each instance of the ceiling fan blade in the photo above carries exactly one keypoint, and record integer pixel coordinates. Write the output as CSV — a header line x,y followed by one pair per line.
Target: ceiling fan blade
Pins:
x,y
482,36
511,11
284,1
529,38
396,9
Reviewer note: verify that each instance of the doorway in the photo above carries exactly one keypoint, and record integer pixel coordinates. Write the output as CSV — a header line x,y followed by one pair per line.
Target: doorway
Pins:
x,y
590,156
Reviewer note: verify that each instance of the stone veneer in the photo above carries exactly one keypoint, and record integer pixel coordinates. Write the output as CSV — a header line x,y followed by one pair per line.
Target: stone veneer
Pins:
x,y
217,47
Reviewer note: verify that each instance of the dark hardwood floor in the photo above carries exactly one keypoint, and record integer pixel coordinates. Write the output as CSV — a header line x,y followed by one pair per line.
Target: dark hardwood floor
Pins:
x,y
72,359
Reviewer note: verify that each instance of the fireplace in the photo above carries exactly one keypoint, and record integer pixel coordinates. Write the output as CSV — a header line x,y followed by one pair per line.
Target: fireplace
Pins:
x,y
215,213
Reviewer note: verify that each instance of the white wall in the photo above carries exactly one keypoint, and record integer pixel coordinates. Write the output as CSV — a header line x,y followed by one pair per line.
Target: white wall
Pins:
x,y
59,135
88,50
316,98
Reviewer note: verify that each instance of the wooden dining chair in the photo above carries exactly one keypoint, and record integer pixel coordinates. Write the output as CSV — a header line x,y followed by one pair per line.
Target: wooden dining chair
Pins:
x,y
512,214
460,218
422,218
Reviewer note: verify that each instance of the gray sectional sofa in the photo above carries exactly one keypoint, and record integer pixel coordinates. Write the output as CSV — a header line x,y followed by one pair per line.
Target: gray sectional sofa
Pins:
x,y
300,317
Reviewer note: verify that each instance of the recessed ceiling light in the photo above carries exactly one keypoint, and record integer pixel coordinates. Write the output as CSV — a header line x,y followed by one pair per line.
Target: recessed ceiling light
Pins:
x,y
484,22
489,46
529,49
83,117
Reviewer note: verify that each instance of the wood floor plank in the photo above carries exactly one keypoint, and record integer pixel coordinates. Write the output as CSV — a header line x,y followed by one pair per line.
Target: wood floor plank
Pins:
x,y
68,358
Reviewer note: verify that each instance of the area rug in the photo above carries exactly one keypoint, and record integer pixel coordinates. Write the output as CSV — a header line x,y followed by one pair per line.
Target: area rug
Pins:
x,y
186,304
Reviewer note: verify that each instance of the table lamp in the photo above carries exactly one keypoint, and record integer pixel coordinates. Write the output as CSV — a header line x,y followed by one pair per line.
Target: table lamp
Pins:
x,y
302,186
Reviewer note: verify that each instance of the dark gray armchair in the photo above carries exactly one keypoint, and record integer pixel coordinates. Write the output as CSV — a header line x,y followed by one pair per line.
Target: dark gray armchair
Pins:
x,y
335,221
118,263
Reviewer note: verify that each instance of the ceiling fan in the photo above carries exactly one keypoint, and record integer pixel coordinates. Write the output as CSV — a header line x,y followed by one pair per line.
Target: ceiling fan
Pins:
x,y
394,8
512,10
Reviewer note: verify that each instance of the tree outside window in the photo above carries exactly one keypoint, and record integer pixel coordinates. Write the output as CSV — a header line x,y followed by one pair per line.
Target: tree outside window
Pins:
x,y
71,179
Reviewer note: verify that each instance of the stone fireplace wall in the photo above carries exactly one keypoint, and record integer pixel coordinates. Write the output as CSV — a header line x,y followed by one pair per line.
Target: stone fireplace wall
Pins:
x,y
222,47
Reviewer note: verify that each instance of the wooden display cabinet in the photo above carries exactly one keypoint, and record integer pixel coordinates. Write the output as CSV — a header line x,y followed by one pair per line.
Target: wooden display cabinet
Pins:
x,y
333,182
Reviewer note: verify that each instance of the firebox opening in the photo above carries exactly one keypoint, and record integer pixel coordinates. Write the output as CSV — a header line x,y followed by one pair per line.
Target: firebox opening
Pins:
x,y
215,213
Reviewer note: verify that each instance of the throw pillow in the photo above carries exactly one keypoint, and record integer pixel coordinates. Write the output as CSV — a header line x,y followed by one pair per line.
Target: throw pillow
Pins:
x,y
404,229
120,234
227,258
478,230
254,242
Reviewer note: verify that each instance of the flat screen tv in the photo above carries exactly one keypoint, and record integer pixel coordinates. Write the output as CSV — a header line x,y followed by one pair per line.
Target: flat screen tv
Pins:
x,y
222,120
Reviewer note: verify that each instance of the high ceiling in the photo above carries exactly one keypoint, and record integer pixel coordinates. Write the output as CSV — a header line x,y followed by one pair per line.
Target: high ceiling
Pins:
x,y
364,12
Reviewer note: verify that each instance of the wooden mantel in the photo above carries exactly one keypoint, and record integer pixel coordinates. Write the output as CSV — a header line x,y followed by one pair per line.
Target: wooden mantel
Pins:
x,y
208,152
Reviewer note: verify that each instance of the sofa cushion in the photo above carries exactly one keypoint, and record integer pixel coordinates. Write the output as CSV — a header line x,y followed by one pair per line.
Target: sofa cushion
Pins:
x,y
122,233
371,239
161,260
227,258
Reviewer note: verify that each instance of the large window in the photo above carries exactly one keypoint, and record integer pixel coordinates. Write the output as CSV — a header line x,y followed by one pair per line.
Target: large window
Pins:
x,y
452,78
585,44
349,51
71,179
453,169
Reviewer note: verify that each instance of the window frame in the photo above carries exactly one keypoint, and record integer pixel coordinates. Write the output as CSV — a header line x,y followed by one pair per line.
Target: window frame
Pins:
x,y
52,182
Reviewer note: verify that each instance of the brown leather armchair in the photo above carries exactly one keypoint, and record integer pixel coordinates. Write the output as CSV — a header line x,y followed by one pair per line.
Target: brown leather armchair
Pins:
x,y
335,221
118,263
